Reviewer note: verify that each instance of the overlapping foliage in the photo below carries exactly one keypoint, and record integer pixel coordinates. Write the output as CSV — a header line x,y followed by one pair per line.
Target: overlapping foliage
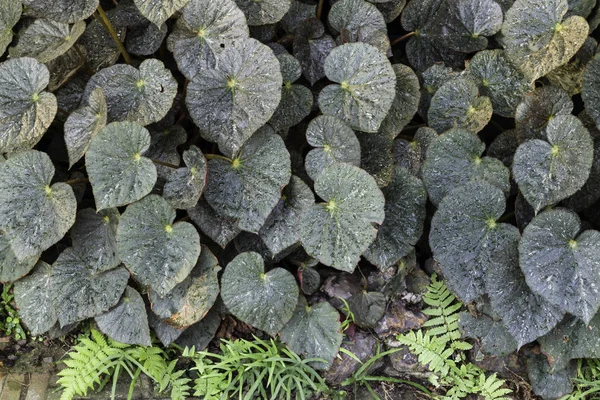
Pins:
x,y
147,145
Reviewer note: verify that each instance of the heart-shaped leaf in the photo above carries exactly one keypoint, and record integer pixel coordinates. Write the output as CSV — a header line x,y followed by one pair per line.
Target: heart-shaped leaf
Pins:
x,y
80,291
536,37
411,155
546,382
560,264
118,172
265,11
258,173
550,170
33,297
95,233
454,159
185,185
406,102
158,11
10,13
46,40
405,199
364,86
145,40
311,48
142,95
33,214
67,11
189,301
83,124
126,322
314,331
495,340
203,30
338,231
220,229
229,103
538,108
334,142
465,236
11,268
264,300
159,253
26,111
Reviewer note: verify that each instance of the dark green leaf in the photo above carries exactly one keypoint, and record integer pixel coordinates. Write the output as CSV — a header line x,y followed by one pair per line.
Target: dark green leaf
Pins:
x,y
185,185
495,340
296,103
145,40
264,11
96,235
33,297
547,383
368,308
220,229
411,155
66,11
377,155
45,40
311,48
11,268
158,11
538,108
10,13
201,333
406,102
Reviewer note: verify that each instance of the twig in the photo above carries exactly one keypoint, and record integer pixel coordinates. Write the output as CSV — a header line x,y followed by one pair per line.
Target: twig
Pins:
x,y
165,164
77,181
403,37
103,19
319,9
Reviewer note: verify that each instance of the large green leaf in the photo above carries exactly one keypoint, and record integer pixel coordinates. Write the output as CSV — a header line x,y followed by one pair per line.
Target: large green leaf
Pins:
x,y
80,291
457,104
406,102
465,236
249,186
68,11
454,159
205,26
10,13
83,124
264,300
95,233
46,40
220,229
546,382
33,297
118,172
364,86
560,264
26,111
185,185
229,103
590,91
127,322
189,301
495,339
159,253
334,142
338,231
265,11
537,39
538,108
34,215
282,228
405,199
550,170
158,11
314,331
142,95
11,268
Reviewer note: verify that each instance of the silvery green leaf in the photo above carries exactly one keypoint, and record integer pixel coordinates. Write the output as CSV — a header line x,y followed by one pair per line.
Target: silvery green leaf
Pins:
x,y
34,214
204,29
33,298
339,230
362,20
142,95
201,333
65,11
465,236
45,40
391,9
314,332
68,96
454,159
164,332
504,146
405,199
291,70
364,86
11,268
10,13
95,234
249,186
265,11
536,37
127,322
102,50
583,8
411,155
334,142
117,170
591,89
538,108
145,40
229,103
264,300
295,104
158,11
433,78
406,102
548,383
26,111
80,291
282,228
83,124
560,264
551,170
297,14
495,340
160,254
263,33
499,80
220,229
163,147
185,185
311,48
377,156
590,191
66,66
190,301
458,104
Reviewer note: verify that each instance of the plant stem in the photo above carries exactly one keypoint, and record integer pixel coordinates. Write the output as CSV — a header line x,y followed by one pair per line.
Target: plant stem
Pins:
x,y
77,181
103,19
213,156
165,164
403,37
319,9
